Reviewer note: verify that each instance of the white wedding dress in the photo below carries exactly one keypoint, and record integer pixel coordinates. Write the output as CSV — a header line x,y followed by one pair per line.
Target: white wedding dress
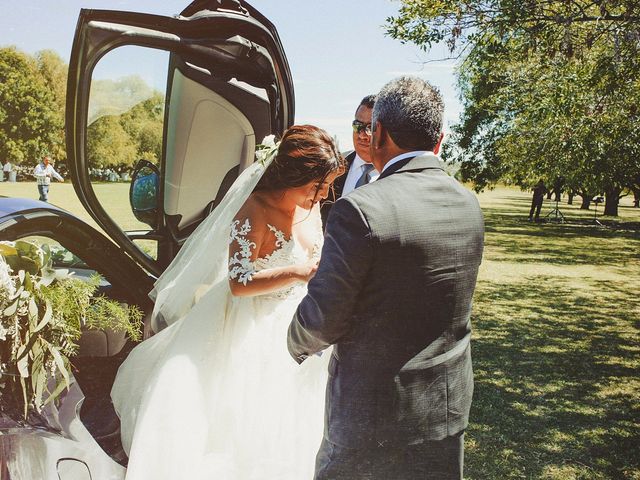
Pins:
x,y
215,395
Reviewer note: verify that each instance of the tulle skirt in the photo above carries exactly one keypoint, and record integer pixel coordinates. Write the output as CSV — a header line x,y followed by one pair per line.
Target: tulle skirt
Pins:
x,y
217,396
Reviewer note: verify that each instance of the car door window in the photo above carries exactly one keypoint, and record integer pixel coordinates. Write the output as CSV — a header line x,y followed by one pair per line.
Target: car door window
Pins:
x,y
125,124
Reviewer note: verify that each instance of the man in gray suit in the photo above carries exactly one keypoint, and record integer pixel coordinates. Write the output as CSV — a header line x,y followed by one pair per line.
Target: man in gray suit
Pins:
x,y
393,293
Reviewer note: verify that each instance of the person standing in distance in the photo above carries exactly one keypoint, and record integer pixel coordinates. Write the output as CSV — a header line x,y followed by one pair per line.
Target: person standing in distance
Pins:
x,y
393,294
359,170
6,171
43,172
538,199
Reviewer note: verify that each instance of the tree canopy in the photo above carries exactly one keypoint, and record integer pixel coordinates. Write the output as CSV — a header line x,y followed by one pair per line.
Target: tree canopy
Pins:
x,y
550,89
122,139
126,114
31,120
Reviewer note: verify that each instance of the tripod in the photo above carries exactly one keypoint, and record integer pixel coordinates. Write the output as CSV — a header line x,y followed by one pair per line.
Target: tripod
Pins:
x,y
555,215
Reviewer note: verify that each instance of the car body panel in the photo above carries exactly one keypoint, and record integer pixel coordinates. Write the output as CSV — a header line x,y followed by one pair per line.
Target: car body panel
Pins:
x,y
65,451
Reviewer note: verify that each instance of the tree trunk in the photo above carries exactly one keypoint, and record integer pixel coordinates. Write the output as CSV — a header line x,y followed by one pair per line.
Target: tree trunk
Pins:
x,y
586,201
612,199
571,194
558,195
636,198
549,194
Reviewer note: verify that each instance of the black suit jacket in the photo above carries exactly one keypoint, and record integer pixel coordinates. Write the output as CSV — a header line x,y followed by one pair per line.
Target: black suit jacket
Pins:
x,y
336,192
393,293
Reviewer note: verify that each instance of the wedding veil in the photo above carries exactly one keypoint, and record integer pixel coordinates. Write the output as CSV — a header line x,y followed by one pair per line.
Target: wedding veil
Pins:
x,y
201,263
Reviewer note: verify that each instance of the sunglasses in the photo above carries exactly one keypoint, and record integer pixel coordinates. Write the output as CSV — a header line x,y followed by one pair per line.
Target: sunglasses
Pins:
x,y
359,127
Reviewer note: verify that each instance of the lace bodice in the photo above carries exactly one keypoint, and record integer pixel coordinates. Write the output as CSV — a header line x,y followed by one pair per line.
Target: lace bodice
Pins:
x,y
287,252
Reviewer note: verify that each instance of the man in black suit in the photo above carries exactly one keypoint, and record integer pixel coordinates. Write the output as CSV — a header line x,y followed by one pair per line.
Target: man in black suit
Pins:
x,y
359,170
393,293
538,199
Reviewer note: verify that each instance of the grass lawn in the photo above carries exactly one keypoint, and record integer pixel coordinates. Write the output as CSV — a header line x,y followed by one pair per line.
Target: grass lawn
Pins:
x,y
556,346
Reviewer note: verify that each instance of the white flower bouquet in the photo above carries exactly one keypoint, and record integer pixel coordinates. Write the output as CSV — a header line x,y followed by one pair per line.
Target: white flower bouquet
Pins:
x,y
42,314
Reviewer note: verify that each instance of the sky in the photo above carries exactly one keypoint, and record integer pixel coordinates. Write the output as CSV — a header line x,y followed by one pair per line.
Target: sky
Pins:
x,y
337,49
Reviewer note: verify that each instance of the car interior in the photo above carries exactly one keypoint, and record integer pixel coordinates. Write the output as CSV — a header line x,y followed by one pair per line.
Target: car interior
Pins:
x,y
225,121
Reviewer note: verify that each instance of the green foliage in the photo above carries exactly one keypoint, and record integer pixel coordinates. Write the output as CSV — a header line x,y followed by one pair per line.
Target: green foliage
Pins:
x,y
108,144
54,73
550,89
123,138
32,113
42,315
31,122
550,25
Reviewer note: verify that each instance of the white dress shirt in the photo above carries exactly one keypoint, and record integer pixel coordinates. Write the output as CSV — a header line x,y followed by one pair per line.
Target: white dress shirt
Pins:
x,y
402,156
354,173
43,174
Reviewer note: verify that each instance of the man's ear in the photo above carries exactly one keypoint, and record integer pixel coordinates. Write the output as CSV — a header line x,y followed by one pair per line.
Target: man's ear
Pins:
x,y
379,139
436,149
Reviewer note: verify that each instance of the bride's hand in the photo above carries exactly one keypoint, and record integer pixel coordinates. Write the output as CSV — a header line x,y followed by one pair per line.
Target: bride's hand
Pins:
x,y
306,271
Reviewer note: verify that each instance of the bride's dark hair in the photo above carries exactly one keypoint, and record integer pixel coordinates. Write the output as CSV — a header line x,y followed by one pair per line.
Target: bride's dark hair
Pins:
x,y
306,153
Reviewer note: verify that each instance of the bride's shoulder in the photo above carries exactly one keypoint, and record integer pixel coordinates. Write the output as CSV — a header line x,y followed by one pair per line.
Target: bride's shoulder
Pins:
x,y
255,213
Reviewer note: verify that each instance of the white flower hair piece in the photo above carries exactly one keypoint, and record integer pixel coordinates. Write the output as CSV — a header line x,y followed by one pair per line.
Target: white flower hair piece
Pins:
x,y
267,149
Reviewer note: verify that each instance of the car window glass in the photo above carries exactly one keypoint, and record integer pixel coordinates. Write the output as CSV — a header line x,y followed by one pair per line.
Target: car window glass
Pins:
x,y
63,258
125,125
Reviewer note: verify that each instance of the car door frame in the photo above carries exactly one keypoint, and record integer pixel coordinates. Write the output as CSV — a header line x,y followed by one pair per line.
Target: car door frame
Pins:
x,y
162,33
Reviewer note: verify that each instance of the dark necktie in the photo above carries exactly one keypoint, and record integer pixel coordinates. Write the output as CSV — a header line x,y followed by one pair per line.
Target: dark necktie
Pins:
x,y
367,168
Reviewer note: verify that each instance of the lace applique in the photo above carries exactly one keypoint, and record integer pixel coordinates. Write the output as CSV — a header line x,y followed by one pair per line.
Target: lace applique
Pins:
x,y
280,240
240,265
286,252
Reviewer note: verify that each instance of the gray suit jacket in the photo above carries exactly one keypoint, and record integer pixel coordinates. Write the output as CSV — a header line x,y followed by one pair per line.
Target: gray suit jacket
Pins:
x,y
393,293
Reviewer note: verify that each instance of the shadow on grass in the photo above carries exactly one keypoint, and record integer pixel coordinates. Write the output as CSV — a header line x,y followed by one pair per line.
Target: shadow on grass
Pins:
x,y
556,381
510,237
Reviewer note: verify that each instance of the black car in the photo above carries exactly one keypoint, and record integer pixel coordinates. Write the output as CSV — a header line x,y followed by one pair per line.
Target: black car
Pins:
x,y
202,89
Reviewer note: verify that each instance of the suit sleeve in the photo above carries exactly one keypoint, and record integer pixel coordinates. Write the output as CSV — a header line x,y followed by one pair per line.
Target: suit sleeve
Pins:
x,y
324,315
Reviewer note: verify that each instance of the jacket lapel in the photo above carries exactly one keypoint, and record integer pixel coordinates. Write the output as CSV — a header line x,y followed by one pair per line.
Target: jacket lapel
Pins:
x,y
338,185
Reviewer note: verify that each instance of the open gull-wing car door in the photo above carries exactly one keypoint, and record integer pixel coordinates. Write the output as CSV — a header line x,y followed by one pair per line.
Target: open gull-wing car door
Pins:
x,y
184,99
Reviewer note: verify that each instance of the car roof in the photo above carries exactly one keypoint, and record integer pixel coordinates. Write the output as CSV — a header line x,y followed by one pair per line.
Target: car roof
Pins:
x,y
9,206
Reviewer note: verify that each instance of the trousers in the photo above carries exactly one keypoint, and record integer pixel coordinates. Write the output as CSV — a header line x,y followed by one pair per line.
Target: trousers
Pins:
x,y
44,193
441,460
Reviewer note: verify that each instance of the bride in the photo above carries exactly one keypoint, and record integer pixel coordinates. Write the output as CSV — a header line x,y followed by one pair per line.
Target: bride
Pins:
x,y
216,395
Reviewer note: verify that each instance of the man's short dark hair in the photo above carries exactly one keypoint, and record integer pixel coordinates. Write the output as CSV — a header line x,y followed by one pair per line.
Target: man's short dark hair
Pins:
x,y
411,110
368,101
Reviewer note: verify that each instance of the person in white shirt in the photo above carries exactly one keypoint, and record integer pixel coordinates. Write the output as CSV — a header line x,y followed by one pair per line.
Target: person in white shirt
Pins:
x,y
6,169
360,170
43,172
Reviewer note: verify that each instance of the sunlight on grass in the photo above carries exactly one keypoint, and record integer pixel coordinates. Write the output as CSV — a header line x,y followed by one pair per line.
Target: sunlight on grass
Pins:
x,y
114,197
555,345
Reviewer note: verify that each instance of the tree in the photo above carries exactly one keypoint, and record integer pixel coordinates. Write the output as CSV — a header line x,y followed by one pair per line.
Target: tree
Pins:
x,y
539,82
549,25
54,73
108,144
120,140
30,123
144,124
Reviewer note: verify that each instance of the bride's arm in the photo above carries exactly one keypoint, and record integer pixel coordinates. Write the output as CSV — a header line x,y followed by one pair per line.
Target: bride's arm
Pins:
x,y
273,279
248,233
